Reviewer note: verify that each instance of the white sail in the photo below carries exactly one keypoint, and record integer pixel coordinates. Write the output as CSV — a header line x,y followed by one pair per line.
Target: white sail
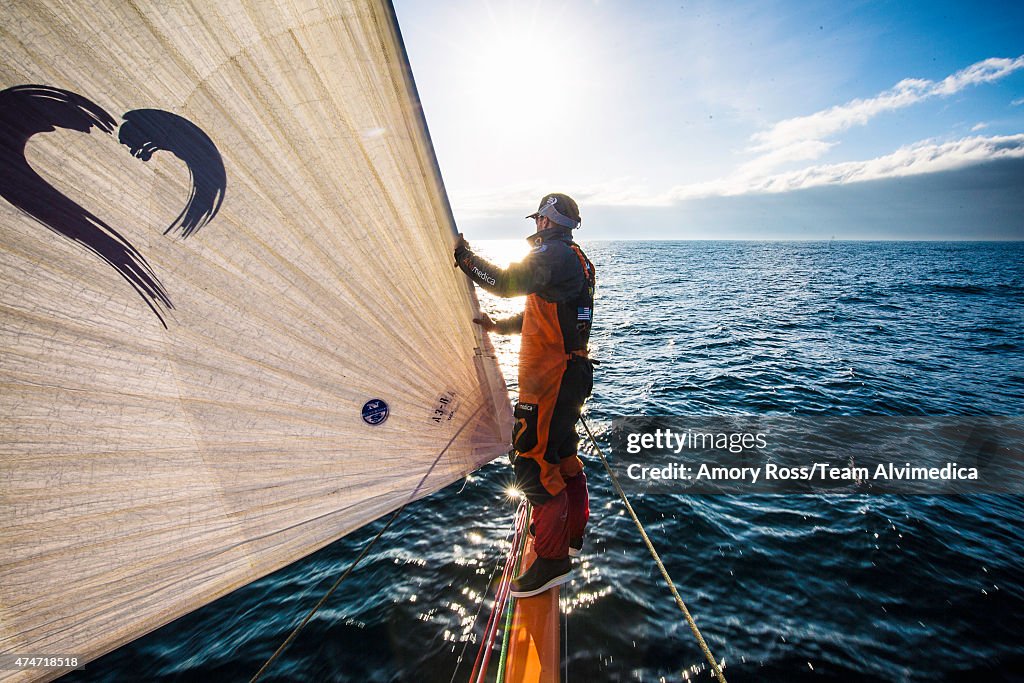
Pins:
x,y
231,331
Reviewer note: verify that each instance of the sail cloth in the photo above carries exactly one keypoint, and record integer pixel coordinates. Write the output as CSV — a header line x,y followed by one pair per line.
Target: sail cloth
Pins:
x,y
231,331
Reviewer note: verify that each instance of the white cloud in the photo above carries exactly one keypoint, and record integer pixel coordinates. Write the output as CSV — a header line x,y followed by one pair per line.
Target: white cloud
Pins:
x,y
624,191
494,202
803,138
984,71
918,158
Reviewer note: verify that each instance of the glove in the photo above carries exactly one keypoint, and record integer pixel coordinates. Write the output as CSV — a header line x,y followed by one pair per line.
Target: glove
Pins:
x,y
485,322
461,249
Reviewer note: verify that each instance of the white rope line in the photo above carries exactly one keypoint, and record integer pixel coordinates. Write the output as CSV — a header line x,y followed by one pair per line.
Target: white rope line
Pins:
x,y
661,566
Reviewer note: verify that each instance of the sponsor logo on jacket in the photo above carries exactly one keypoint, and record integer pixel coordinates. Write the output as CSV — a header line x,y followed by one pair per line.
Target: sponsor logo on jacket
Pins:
x,y
484,276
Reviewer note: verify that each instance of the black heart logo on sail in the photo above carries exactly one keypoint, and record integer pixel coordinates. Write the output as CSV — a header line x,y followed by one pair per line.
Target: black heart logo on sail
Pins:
x,y
26,110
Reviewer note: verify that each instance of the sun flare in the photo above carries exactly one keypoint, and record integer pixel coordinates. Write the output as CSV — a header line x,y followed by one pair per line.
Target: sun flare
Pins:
x,y
505,252
526,73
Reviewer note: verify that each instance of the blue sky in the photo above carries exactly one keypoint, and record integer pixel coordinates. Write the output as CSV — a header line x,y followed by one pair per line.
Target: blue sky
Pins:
x,y
747,120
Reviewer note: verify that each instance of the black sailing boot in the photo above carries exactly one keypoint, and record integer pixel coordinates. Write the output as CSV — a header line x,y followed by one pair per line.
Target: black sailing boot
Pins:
x,y
542,575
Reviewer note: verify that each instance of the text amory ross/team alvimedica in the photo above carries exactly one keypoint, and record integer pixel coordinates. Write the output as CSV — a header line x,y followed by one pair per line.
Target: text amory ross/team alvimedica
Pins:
x,y
818,471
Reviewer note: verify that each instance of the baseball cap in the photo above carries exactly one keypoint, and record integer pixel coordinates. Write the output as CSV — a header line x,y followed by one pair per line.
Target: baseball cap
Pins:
x,y
560,209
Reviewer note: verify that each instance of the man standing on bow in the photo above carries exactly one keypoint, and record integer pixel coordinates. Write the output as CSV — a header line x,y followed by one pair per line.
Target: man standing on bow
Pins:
x,y
555,377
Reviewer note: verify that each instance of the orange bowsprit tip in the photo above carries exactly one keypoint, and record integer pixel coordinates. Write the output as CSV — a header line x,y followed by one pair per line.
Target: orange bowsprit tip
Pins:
x,y
534,654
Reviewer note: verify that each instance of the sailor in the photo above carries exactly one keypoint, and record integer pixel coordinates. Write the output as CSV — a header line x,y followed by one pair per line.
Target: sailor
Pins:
x,y
556,376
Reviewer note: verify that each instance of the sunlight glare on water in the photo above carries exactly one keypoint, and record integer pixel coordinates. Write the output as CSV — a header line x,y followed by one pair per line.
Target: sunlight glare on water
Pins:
x,y
502,253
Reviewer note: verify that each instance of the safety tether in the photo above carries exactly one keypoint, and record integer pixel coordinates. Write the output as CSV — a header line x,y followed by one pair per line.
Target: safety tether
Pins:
x,y
654,553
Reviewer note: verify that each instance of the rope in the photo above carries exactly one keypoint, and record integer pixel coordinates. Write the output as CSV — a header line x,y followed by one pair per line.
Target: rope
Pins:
x,y
565,635
654,553
366,549
479,608
503,657
501,599
328,594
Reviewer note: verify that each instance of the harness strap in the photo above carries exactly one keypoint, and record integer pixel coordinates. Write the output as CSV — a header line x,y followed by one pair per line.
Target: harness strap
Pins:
x,y
588,266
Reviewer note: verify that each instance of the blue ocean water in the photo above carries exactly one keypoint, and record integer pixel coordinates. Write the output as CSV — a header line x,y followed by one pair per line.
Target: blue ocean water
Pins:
x,y
849,587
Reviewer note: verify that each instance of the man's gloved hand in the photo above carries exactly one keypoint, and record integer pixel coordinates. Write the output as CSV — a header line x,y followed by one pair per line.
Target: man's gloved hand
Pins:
x,y
485,322
461,248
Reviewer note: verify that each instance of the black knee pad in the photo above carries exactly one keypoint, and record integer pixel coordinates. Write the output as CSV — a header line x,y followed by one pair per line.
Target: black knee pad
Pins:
x,y
527,473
